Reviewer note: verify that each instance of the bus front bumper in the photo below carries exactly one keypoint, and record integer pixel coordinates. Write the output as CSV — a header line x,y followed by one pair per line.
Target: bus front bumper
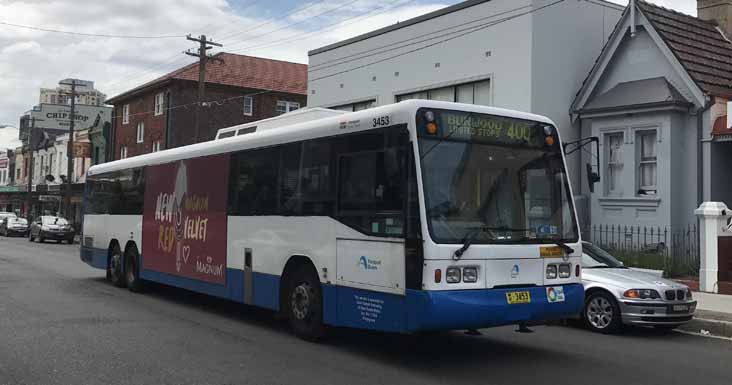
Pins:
x,y
474,309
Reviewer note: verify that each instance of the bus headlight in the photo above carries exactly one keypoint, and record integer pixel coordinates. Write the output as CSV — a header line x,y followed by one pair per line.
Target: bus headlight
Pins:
x,y
452,275
565,270
551,271
470,274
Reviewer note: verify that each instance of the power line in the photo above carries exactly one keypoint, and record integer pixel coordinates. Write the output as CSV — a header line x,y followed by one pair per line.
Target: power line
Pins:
x,y
89,34
345,4
342,61
475,29
339,24
271,20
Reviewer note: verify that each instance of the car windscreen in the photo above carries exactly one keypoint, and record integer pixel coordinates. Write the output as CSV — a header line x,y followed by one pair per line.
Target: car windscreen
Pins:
x,y
595,257
17,221
55,221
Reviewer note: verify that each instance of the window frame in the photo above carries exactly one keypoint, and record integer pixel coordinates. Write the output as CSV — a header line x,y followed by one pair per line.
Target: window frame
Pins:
x,y
140,132
126,114
248,100
123,152
288,106
156,145
641,162
611,167
159,103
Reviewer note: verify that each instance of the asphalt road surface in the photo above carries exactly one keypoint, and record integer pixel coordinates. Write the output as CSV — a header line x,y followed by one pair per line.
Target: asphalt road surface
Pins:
x,y
62,323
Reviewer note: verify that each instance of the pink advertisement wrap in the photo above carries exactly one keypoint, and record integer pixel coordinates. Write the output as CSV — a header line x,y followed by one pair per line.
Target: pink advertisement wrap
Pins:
x,y
184,221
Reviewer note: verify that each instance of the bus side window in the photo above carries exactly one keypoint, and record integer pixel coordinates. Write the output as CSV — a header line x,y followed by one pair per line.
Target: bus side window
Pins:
x,y
370,197
255,188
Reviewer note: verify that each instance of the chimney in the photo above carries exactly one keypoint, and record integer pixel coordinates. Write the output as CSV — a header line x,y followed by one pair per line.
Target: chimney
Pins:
x,y
718,12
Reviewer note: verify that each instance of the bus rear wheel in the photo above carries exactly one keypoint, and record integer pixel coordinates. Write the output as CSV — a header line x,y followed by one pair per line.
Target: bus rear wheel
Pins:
x,y
132,271
304,303
114,267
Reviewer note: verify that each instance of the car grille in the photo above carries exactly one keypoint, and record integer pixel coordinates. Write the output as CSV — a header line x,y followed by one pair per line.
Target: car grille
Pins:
x,y
683,318
673,295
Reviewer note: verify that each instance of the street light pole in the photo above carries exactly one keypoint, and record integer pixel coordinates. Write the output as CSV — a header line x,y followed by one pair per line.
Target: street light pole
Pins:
x,y
29,197
70,153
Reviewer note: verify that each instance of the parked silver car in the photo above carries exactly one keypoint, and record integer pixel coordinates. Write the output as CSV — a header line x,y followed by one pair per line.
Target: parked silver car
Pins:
x,y
616,295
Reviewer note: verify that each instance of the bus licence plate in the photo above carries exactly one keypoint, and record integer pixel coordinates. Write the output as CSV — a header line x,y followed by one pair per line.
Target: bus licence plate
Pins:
x,y
514,297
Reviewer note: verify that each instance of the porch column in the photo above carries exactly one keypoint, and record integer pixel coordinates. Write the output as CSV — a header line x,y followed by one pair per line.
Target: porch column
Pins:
x,y
712,221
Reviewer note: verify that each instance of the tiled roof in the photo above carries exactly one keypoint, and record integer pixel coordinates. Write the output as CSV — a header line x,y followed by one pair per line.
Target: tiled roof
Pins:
x,y
239,71
698,45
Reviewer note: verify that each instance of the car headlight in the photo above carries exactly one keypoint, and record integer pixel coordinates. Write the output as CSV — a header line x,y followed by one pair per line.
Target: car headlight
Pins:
x,y
453,275
642,294
688,293
565,270
470,274
551,271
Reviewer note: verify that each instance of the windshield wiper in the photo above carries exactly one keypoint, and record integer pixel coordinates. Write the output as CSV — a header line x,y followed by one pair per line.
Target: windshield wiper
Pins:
x,y
468,240
566,247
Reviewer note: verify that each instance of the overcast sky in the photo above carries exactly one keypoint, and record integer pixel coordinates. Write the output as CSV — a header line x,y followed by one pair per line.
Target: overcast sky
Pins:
x,y
32,59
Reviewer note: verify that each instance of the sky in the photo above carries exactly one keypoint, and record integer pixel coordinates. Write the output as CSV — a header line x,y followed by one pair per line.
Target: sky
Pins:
x,y
280,29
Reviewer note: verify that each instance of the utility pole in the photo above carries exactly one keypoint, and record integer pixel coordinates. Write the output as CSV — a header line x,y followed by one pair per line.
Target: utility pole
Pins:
x,y
29,197
203,58
70,152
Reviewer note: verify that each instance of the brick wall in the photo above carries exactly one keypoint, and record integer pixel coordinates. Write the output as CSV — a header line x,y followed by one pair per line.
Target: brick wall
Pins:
x,y
142,109
176,127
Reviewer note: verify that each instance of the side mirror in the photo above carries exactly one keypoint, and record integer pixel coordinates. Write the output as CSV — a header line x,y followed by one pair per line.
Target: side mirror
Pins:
x,y
592,177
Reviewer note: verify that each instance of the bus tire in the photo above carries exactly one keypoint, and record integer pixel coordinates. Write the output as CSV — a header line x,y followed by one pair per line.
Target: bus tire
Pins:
x,y
115,272
132,270
304,304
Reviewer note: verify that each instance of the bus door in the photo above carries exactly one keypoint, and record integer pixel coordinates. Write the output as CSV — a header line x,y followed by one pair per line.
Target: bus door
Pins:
x,y
370,263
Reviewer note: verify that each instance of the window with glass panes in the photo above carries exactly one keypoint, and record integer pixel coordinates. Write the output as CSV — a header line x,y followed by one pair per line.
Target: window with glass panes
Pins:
x,y
284,106
614,158
470,93
647,162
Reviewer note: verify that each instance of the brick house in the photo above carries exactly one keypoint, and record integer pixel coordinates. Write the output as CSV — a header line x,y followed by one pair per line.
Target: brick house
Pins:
x,y
162,113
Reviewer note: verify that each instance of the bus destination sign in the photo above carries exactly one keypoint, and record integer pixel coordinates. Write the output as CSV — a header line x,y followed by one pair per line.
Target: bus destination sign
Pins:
x,y
457,125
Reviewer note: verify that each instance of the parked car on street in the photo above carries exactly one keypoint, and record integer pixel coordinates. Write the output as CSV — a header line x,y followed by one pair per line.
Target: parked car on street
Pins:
x,y
6,214
13,226
616,295
48,227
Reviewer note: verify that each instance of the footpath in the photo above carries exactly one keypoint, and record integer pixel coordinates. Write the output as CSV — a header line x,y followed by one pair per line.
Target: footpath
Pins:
x,y
713,315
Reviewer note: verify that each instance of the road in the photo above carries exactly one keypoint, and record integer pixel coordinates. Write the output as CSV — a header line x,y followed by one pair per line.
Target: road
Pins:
x,y
61,323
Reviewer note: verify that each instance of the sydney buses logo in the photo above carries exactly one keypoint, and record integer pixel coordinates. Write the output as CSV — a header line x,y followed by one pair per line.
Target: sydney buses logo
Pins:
x,y
368,263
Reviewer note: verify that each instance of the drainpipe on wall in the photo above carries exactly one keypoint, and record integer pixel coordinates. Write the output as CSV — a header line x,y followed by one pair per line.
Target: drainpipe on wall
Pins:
x,y
700,148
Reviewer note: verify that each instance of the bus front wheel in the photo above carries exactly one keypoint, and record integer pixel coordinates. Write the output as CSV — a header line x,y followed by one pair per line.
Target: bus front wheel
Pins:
x,y
305,304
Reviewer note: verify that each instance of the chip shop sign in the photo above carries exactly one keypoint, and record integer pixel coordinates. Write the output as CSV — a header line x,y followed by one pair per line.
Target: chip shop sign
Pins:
x,y
58,116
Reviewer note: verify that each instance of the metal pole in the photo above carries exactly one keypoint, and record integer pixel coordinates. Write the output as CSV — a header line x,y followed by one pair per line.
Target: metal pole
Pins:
x,y
29,197
70,154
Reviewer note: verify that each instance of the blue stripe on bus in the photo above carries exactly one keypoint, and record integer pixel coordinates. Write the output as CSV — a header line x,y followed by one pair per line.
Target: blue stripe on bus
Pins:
x,y
420,310
94,257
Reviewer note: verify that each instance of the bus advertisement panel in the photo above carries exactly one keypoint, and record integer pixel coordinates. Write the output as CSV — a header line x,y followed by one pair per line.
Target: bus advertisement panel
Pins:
x,y
184,219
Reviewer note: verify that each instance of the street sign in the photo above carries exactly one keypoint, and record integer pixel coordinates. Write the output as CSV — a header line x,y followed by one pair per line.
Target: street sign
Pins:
x,y
49,198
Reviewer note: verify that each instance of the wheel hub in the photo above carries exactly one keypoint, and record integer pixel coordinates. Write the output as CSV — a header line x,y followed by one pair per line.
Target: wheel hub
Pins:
x,y
300,301
600,312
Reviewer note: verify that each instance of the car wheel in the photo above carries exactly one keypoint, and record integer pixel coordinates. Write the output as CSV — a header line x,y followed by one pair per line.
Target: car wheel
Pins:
x,y
304,303
132,271
30,236
40,237
114,268
602,313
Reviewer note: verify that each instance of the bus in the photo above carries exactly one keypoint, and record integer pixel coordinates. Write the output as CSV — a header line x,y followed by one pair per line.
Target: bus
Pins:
x,y
413,217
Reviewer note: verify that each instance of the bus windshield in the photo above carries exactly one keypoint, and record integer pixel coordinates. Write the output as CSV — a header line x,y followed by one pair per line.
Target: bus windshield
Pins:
x,y
494,180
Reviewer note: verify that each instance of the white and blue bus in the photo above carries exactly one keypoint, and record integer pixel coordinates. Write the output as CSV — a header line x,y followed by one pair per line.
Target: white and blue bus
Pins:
x,y
416,216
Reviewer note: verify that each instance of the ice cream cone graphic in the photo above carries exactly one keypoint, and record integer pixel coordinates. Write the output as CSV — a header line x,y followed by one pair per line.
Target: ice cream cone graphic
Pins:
x,y
181,188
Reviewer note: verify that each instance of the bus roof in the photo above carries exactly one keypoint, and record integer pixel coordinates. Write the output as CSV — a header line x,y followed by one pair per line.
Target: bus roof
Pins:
x,y
294,117
400,113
